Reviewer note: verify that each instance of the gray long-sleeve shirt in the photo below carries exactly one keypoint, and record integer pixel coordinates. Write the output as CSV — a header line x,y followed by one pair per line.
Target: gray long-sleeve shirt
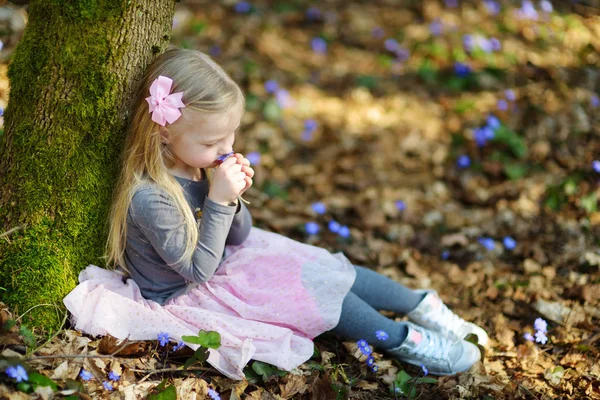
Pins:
x,y
156,238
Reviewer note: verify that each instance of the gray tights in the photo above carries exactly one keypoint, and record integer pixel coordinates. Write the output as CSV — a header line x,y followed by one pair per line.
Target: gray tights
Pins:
x,y
372,292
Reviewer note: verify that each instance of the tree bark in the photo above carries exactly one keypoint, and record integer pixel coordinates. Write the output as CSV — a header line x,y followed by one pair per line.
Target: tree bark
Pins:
x,y
72,81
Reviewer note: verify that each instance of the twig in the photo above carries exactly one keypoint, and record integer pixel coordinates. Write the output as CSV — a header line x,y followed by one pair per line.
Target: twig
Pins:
x,y
111,355
524,388
11,230
158,371
53,336
34,307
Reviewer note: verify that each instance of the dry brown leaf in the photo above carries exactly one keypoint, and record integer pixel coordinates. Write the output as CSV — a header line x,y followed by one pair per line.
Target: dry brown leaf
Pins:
x,y
326,356
296,384
367,385
561,313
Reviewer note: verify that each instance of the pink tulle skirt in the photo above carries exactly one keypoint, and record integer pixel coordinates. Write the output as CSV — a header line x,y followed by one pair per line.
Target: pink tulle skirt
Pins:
x,y
268,299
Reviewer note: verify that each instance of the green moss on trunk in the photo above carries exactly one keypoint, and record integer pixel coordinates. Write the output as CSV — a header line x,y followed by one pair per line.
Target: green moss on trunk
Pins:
x,y
71,82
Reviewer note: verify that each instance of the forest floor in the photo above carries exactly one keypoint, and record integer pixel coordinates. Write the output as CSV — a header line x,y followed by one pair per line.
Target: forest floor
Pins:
x,y
396,148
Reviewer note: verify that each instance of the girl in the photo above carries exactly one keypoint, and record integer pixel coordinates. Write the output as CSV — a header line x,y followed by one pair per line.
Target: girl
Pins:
x,y
179,230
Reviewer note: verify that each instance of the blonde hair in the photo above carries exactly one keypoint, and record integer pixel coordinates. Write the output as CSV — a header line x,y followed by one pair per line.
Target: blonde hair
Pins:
x,y
206,88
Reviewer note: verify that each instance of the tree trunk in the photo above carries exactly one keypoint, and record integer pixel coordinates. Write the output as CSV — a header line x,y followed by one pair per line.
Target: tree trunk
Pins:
x,y
72,81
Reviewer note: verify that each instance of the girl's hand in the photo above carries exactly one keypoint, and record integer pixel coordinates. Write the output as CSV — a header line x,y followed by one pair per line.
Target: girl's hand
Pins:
x,y
245,163
228,182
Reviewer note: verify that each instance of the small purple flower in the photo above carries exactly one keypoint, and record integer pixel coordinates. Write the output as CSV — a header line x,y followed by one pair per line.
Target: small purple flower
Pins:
x,y
596,166
242,7
436,27
283,98
313,13
425,370
451,3
319,45
178,345
541,337
378,32
17,372
333,226
487,242
374,368
546,6
540,325
509,243
381,335
370,361
107,385
312,228
480,137
468,42
253,157
85,375
484,44
445,255
215,51
213,394
463,161
391,45
402,54
400,205
366,350
462,70
492,6
528,336
362,343
319,207
113,376
163,338
510,94
495,43
1,111
306,136
310,125
344,231
595,101
271,86
493,122
527,11
502,105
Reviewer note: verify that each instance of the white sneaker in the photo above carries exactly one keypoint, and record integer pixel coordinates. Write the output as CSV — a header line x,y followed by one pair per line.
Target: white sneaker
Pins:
x,y
432,313
439,354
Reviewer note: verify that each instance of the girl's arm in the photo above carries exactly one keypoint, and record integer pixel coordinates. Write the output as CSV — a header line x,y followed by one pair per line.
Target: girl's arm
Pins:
x,y
162,224
240,227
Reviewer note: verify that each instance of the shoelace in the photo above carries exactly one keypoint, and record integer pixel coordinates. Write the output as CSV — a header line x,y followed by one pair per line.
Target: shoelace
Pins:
x,y
449,319
433,345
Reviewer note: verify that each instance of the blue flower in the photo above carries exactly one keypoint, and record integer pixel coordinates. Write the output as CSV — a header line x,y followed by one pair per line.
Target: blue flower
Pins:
x,y
366,350
370,361
310,125
374,368
334,226
495,43
163,338
463,161
485,44
546,6
242,7
487,242
271,86
306,136
540,325
313,13
344,231
492,7
178,345
85,375
214,51
595,101
510,94
381,335
527,11
319,45
402,54
451,3
468,42
107,385
425,370
445,255
493,122
378,32
480,137
436,27
113,376
400,205
362,343
213,394
253,157
502,105
17,372
1,111
509,243
541,337
391,45
283,97
528,336
312,228
462,70
318,207
596,165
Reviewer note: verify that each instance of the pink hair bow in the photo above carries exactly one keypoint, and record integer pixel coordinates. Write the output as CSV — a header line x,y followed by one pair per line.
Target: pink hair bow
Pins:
x,y
164,106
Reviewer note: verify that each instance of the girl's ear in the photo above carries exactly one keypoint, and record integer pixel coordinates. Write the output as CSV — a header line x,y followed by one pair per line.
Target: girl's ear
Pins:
x,y
165,137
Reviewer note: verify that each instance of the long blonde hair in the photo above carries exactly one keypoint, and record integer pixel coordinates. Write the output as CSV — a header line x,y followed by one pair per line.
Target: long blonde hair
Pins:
x,y
207,88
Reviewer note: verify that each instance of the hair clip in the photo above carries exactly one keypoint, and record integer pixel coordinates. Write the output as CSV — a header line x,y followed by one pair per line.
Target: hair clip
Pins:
x,y
164,105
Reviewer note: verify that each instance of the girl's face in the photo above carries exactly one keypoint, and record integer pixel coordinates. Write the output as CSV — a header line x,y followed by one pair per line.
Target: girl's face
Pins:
x,y
202,138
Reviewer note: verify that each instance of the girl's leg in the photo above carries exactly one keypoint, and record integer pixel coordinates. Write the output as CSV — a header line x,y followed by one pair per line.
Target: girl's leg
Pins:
x,y
382,293
359,320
